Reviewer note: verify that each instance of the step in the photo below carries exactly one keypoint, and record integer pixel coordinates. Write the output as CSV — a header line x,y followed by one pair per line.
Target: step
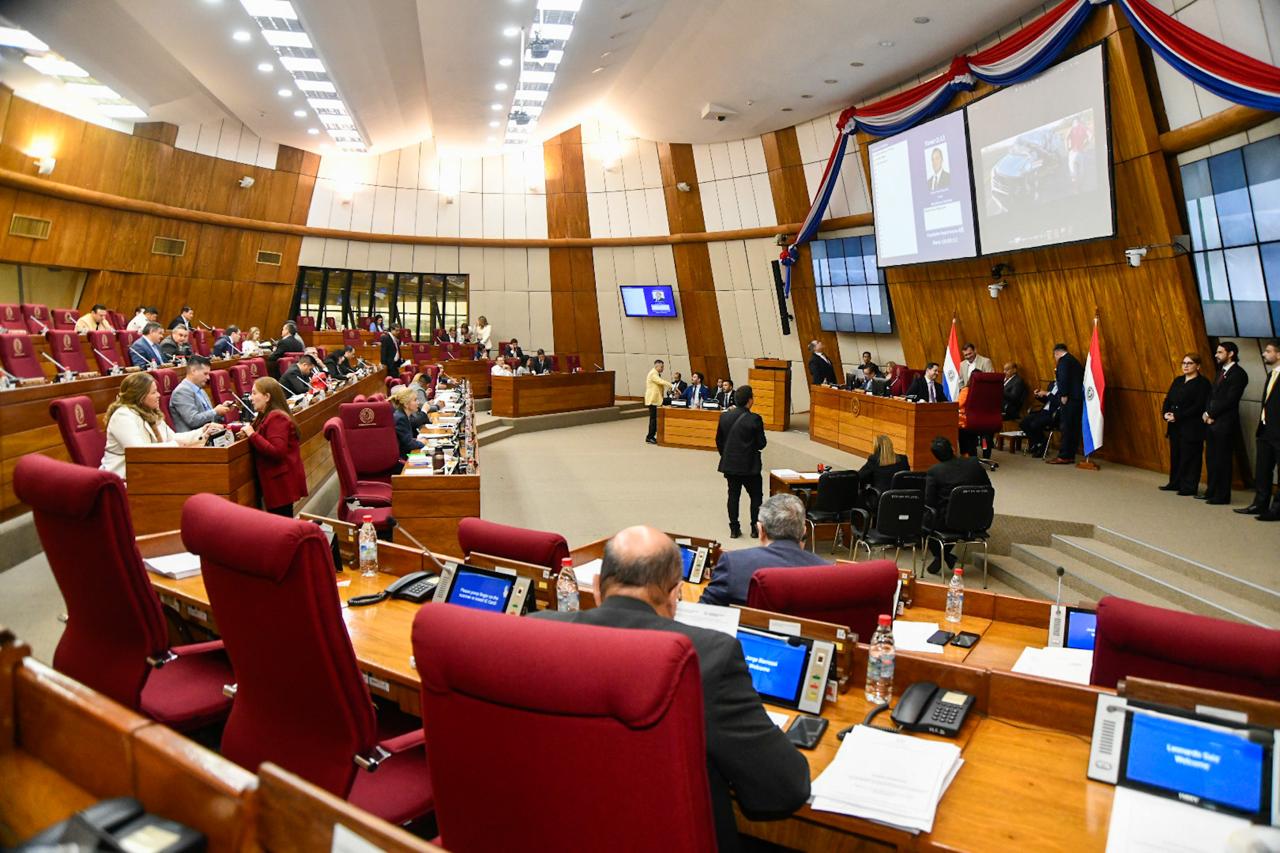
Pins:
x,y
489,436
1189,592
487,425
1086,580
1029,582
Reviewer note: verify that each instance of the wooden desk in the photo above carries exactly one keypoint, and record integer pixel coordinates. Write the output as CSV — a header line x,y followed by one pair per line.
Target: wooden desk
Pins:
x,y
694,429
770,381
475,372
430,506
549,393
851,420
162,478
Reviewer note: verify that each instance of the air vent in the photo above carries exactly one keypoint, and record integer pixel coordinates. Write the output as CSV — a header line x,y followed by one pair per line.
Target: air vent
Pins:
x,y
30,226
271,258
171,246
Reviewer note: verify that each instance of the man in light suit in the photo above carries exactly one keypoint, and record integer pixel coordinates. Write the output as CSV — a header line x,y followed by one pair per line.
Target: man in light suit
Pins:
x,y
145,351
189,405
638,587
971,362
821,371
781,532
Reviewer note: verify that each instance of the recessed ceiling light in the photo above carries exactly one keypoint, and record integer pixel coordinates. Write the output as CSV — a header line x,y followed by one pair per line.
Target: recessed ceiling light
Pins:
x,y
806,96
500,87
495,106
786,109
265,67
597,70
285,93
606,54
313,130
300,113
856,64
493,124
830,80
505,61
213,2
13,37
241,35
886,43
511,32
921,19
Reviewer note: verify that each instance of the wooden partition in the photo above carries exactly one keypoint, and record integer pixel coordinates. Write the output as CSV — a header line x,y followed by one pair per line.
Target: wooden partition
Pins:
x,y
475,372
550,393
770,381
694,429
430,506
851,420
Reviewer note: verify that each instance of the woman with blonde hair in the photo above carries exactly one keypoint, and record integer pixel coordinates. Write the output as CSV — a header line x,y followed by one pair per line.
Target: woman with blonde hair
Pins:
x,y
404,405
250,346
883,463
273,435
134,419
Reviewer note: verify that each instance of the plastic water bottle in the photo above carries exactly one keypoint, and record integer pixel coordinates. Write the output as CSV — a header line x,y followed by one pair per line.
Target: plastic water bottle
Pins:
x,y
566,587
368,548
880,662
955,596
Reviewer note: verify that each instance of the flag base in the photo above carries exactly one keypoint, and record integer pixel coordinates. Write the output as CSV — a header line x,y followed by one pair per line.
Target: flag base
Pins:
x,y
1088,465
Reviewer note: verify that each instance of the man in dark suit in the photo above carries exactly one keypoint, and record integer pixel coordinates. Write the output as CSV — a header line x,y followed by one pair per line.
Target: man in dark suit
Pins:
x,y
724,397
540,363
678,385
821,370
739,439
865,381
926,388
1268,433
781,532
297,379
184,319
145,351
513,351
697,393
940,480
176,345
1015,393
288,344
1222,414
1069,377
390,351
638,587
229,344
939,177
867,362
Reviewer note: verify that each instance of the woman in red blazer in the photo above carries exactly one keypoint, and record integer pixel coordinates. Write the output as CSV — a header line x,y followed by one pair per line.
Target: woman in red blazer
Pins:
x,y
274,437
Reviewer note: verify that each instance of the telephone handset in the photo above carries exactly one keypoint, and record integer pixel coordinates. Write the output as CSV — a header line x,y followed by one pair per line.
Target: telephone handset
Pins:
x,y
926,707
415,586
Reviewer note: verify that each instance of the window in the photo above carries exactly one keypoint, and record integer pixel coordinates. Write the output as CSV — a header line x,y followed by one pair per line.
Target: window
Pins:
x,y
1233,210
852,296
422,303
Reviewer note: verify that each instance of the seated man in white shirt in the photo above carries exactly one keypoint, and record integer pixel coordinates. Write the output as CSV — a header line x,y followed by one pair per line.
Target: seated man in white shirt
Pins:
x,y
142,316
500,369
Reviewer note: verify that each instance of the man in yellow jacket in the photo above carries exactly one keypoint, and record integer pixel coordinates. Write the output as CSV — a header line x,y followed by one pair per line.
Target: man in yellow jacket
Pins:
x,y
655,388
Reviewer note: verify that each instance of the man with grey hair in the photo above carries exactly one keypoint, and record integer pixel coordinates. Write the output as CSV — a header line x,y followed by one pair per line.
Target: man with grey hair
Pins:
x,y
781,532
638,587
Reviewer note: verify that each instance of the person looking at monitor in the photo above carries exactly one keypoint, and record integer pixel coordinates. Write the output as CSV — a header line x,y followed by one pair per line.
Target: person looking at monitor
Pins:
x,y
274,439
781,535
134,419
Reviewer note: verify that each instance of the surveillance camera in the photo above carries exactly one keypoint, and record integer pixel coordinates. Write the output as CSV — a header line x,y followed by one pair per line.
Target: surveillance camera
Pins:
x,y
246,182
1135,255
994,289
683,186
721,117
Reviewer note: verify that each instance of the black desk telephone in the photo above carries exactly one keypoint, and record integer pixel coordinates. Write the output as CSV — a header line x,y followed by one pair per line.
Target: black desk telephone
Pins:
x,y
926,707
415,586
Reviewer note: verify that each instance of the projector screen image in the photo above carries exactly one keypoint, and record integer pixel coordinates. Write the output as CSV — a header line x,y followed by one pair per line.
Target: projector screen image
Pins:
x,y
1041,158
649,300
921,195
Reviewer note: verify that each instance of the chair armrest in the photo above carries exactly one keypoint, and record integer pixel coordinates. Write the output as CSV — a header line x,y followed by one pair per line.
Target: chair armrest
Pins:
x,y
405,742
197,648
370,500
865,519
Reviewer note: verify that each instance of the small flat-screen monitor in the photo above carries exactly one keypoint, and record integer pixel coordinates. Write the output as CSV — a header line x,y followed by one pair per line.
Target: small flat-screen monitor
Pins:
x,y
687,556
481,589
1082,625
777,664
648,300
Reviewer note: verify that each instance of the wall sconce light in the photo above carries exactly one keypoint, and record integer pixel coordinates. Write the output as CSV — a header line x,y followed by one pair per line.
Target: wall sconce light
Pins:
x,y
684,187
44,165
447,198
246,182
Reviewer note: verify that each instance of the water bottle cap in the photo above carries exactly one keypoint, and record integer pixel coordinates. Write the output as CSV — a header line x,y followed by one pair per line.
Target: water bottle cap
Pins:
x,y
566,562
959,570
886,619
368,518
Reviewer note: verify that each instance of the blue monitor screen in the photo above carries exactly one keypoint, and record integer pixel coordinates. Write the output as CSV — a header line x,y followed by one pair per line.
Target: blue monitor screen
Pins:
x,y
1081,627
687,555
1208,764
481,591
649,300
776,664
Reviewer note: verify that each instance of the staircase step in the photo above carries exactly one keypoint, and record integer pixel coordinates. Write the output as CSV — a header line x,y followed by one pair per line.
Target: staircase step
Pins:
x,y
498,433
1090,582
1187,591
1027,581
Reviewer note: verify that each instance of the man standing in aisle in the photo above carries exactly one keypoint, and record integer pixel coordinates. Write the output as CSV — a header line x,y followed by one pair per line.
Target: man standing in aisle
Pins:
x,y
1268,434
1070,381
1222,414
391,350
821,371
739,440
655,388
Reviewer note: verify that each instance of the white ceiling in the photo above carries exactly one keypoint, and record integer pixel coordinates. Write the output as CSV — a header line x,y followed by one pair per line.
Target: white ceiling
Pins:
x,y
413,68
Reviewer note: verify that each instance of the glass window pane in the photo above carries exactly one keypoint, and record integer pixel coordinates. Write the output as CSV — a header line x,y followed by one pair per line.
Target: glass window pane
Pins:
x,y
1271,271
1215,295
361,304
309,295
881,317
818,249
334,295
839,270
854,262
861,310
1235,216
1262,163
1244,271
1202,213
384,287
407,291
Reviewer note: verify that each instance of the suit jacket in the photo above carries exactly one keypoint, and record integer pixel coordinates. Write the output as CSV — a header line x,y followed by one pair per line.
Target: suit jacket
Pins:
x,y
701,391
294,382
821,372
514,352
179,321
338,367
920,390
945,476
1186,400
880,477
980,364
169,348
678,387
143,354
746,753
278,461
1224,401
190,408
1271,408
732,576
740,438
1070,378
724,399
224,348
1013,396
940,180
390,353
285,346
405,433
536,366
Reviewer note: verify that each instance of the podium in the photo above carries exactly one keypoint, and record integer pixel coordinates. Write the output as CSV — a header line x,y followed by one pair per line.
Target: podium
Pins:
x,y
770,381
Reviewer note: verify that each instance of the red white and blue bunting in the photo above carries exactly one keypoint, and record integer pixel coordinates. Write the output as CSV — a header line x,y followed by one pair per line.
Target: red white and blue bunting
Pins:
x,y
1223,71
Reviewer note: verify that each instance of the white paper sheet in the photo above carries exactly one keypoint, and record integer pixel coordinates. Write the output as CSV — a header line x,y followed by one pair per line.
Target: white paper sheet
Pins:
x,y
785,473
1073,665
586,573
912,636
1145,823
175,566
709,616
811,475
779,719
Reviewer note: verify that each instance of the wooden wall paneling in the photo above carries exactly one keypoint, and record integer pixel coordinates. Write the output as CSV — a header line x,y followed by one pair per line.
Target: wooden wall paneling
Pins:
x,y
575,314
160,131
791,201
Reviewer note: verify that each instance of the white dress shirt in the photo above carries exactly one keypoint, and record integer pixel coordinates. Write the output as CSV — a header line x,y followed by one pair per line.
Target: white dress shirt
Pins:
x,y
137,324
127,429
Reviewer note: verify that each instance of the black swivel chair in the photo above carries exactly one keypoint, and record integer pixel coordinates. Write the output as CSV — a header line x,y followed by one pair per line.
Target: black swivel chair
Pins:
x,y
899,524
908,480
970,512
834,502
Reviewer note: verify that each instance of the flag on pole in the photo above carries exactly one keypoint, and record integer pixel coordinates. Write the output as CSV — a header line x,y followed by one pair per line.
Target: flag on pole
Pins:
x,y
1095,386
951,367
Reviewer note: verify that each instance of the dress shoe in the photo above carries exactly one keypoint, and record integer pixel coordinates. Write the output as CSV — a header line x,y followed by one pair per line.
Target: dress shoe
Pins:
x,y
1187,495
651,441
735,534
1036,450
1268,516
934,568
1202,497
755,532
1251,509
1169,487
1212,502
1058,460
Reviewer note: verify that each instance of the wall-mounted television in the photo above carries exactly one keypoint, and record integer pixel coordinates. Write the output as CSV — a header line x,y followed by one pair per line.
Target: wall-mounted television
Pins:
x,y
648,300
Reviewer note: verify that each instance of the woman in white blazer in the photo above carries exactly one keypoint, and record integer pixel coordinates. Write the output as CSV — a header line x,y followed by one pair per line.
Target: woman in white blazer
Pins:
x,y
134,419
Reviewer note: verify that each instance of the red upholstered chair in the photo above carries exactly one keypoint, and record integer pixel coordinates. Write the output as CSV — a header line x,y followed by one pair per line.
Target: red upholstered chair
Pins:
x,y
78,424
322,352
64,319
287,361
405,336
371,438
850,594
331,324
124,340
64,347
240,380
351,338
11,317
377,398
982,410
309,712
572,363
257,369
37,318
18,356
643,700
419,352
359,398
364,323
105,353
1139,640
220,383
555,363
306,325
167,379
515,543
906,375
200,343
218,332
368,493
116,640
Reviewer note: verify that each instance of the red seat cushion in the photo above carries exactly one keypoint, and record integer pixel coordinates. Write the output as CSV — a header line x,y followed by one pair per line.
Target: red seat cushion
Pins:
x,y
851,594
515,543
187,693
395,791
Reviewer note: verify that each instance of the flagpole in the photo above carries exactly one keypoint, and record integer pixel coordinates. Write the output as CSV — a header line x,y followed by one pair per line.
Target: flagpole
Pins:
x,y
1088,464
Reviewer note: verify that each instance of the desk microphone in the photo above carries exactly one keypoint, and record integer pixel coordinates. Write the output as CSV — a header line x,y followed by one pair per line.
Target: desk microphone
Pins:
x,y
108,359
6,379
597,367
67,375
206,325
245,406
1058,616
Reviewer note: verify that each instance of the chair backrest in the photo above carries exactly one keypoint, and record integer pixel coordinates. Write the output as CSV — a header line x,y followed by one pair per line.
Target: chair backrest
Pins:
x,y
78,424
351,337
322,353
405,336
371,437
257,369
126,338
419,352
305,324
18,356
115,621
64,347
555,363
200,342
970,509
220,383
852,594
900,385
166,380
300,701
909,480
901,513
364,323
37,317
105,353
837,491
331,324
336,435
64,319
1139,640
11,317
117,319
218,332
644,701
982,411
240,378
572,362
451,350
515,543
377,398
286,361
502,346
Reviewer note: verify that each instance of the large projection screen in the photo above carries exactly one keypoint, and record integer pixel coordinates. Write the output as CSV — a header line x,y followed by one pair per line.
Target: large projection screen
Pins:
x,y
921,194
1041,157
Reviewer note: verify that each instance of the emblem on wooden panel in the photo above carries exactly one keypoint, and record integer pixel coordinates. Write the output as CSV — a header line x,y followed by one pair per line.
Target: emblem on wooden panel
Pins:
x,y
366,416
855,406
79,410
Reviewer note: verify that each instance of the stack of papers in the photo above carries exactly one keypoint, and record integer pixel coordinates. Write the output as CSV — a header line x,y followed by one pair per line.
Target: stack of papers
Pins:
x,y
586,573
785,473
710,616
811,475
913,636
1074,665
174,566
890,778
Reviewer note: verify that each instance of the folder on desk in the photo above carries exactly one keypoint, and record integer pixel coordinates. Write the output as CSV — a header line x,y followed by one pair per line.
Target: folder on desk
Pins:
x,y
174,566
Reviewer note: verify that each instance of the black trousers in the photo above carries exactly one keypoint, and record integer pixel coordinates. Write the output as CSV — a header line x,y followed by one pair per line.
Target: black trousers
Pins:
x,y
1184,461
1268,457
1069,424
653,422
286,510
1035,424
754,484
1217,461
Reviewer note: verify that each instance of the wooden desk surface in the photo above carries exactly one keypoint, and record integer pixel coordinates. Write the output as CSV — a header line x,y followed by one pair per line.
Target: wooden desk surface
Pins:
x,y
851,420
694,429
550,393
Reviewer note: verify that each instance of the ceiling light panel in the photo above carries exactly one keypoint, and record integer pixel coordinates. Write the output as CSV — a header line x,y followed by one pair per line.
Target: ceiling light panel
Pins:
x,y
13,37
281,28
71,79
553,22
52,65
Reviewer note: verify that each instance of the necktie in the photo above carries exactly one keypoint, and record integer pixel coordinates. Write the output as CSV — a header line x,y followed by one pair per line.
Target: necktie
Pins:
x,y
1271,384
203,400
932,398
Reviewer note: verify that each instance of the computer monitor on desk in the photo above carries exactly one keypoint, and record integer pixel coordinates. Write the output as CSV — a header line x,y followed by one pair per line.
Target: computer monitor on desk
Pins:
x,y
495,590
787,670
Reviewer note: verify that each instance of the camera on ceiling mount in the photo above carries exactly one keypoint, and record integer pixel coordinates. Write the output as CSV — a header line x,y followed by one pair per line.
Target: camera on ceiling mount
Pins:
x,y
520,117
998,272
539,48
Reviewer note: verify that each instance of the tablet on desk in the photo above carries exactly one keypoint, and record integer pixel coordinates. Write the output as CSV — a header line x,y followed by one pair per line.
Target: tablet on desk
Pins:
x,y
494,590
785,670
